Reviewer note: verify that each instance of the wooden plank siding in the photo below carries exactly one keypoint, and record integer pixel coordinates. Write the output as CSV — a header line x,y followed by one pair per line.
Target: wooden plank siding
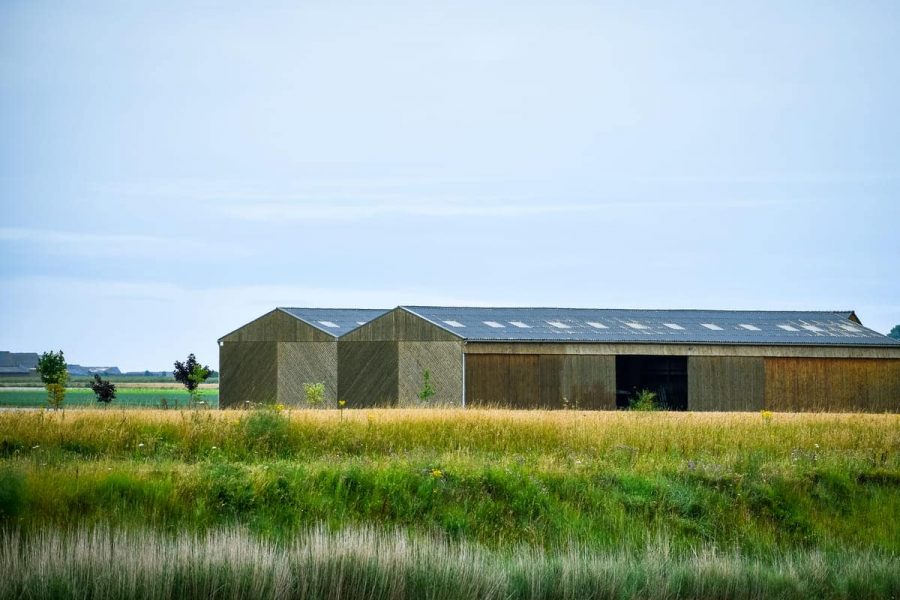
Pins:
x,y
834,385
307,362
368,373
277,326
589,382
269,359
540,381
443,360
726,383
248,373
399,325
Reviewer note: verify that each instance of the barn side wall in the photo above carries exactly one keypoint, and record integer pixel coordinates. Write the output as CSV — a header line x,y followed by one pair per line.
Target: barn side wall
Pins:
x,y
834,385
443,361
726,383
367,373
540,381
720,378
248,373
307,362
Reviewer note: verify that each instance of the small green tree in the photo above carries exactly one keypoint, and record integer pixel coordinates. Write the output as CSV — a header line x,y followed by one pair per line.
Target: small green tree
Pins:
x,y
103,389
427,390
54,375
191,374
198,375
895,332
315,394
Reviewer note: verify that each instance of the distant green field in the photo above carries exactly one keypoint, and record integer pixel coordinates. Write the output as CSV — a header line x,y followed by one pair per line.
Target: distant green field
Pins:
x,y
148,397
74,380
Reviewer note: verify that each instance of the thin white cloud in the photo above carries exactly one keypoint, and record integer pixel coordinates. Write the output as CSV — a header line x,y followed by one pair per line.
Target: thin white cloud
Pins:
x,y
114,244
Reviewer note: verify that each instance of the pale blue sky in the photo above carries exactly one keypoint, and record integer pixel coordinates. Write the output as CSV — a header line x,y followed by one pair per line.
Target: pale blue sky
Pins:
x,y
170,170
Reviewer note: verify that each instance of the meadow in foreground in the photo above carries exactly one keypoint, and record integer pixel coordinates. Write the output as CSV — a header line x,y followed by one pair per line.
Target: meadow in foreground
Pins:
x,y
587,504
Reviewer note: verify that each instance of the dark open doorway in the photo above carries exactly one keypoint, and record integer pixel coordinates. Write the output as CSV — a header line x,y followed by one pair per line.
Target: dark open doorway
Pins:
x,y
666,376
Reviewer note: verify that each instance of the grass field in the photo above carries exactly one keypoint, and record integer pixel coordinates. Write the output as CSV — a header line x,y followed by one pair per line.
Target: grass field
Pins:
x,y
528,504
125,396
83,380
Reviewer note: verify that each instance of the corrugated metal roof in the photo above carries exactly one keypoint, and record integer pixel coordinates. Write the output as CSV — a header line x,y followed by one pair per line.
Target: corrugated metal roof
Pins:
x,y
335,321
809,328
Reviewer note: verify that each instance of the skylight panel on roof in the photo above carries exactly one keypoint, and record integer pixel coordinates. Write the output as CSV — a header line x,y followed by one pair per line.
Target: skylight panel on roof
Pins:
x,y
454,323
749,327
712,326
788,328
813,328
494,324
331,324
520,324
850,328
558,324
636,325
674,326
597,325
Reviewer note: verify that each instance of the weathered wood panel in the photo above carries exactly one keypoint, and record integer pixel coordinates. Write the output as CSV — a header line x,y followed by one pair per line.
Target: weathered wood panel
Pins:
x,y
550,381
487,380
726,383
277,326
679,350
307,362
248,373
443,360
589,382
533,381
834,385
367,373
400,325
524,387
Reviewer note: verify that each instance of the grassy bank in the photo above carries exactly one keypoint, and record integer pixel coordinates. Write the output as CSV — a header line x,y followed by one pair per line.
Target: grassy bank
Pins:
x,y
603,480
369,564
527,504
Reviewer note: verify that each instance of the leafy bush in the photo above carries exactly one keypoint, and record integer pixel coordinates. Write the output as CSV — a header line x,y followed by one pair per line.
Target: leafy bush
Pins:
x,y
315,394
644,400
103,389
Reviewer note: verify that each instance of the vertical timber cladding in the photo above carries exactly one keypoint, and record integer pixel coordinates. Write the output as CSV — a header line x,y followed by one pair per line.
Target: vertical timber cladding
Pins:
x,y
833,384
247,373
585,381
726,383
269,359
383,362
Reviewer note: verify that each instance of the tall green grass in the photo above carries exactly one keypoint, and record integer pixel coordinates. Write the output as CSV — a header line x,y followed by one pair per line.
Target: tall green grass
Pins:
x,y
632,439
370,564
493,477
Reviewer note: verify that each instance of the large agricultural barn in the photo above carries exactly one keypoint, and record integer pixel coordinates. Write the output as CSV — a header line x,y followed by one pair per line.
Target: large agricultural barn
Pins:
x,y
598,359
269,359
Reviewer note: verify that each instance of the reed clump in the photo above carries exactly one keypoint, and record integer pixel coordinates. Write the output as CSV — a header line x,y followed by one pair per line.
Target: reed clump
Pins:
x,y
375,564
